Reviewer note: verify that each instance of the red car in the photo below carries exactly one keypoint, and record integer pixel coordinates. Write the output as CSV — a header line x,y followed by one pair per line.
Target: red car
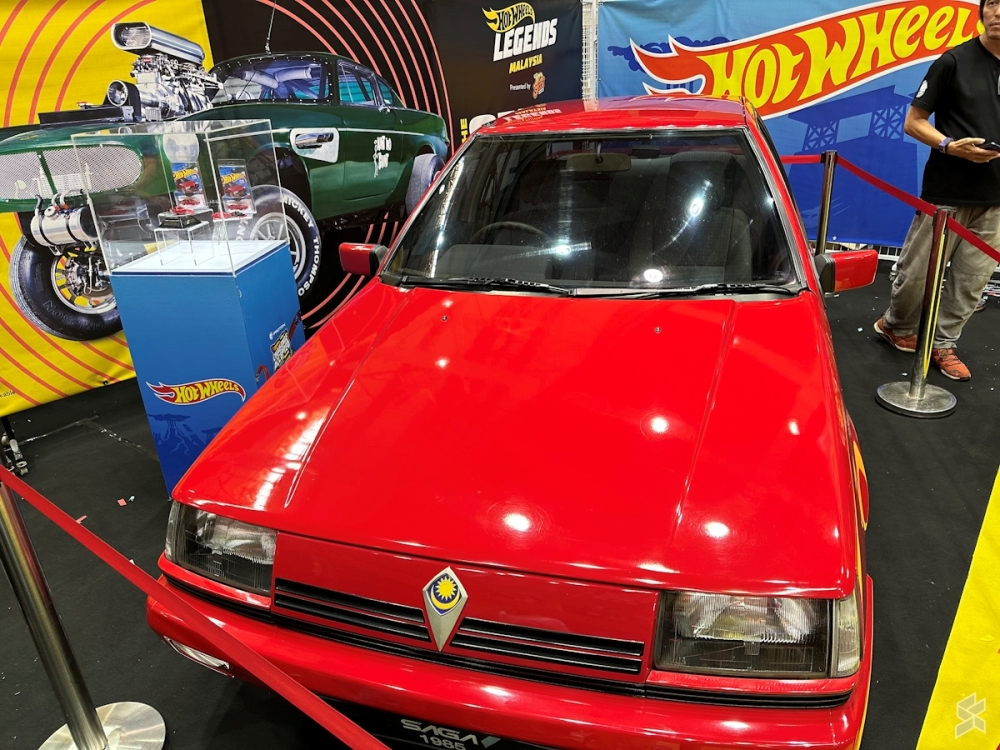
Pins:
x,y
236,190
189,187
572,471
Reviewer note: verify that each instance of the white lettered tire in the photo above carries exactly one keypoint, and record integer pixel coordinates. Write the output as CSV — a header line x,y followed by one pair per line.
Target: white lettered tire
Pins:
x,y
304,240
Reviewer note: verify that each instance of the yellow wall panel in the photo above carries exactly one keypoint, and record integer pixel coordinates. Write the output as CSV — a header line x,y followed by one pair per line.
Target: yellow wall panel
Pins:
x,y
52,56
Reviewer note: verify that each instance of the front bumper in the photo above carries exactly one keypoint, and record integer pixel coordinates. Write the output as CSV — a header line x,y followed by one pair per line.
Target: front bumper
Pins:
x,y
520,710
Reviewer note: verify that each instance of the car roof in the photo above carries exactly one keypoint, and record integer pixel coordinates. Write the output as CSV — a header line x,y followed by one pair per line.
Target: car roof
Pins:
x,y
617,113
290,55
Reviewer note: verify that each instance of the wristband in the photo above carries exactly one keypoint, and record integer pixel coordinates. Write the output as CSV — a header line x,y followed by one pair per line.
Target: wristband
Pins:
x,y
943,145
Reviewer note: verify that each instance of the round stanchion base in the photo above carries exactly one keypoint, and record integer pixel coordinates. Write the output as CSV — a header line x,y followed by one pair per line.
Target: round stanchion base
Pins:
x,y
936,402
126,725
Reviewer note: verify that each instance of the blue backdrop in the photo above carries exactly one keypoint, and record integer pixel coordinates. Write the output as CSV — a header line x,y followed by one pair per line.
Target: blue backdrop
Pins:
x,y
857,112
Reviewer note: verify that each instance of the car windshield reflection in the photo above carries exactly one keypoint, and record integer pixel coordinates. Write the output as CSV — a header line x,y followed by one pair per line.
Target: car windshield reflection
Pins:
x,y
683,211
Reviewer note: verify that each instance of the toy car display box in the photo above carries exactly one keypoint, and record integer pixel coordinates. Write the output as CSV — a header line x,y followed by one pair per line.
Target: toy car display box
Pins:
x,y
202,275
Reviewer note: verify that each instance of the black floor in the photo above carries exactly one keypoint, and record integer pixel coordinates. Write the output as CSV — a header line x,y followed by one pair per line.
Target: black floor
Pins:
x,y
930,483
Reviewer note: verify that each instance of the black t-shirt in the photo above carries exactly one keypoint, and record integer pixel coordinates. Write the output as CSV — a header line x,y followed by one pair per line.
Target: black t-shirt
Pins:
x,y
962,89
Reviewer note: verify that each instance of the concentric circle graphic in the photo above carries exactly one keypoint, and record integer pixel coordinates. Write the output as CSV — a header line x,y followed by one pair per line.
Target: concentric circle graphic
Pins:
x,y
393,38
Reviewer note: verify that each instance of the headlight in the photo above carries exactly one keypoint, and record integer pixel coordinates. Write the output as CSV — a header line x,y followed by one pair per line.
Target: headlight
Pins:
x,y
846,637
758,636
231,552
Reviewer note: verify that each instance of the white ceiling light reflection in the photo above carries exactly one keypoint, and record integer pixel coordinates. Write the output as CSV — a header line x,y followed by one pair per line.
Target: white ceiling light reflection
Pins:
x,y
655,567
293,461
562,250
498,692
696,206
793,427
716,530
653,275
659,425
517,521
442,363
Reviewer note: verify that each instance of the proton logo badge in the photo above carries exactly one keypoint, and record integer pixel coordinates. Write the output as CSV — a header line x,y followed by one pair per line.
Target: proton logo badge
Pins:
x,y
445,598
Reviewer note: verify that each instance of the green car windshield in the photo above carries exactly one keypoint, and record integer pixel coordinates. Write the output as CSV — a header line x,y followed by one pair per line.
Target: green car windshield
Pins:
x,y
270,79
595,213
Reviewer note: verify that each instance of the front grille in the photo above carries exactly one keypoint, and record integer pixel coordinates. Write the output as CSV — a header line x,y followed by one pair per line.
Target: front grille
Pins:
x,y
549,677
103,167
347,609
751,700
589,652
22,177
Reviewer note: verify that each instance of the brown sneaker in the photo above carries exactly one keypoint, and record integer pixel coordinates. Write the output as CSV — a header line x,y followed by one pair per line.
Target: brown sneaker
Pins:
x,y
903,343
949,364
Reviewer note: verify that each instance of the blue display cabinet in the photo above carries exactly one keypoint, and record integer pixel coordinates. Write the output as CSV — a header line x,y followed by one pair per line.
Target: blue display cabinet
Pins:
x,y
202,275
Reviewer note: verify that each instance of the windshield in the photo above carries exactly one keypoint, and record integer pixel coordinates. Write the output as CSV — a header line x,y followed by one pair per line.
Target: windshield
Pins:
x,y
636,211
268,80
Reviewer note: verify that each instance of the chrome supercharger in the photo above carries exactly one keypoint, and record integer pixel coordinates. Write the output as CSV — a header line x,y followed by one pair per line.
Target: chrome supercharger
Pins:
x,y
169,78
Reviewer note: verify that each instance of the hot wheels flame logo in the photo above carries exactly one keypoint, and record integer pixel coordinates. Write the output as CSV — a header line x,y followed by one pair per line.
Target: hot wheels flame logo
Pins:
x,y
198,391
505,19
790,68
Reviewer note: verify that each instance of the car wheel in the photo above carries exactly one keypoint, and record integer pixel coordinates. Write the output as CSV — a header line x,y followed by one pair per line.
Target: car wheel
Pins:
x,y
425,169
304,240
66,295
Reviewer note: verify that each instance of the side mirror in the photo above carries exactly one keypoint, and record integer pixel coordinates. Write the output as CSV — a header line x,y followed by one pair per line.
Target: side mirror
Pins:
x,y
848,269
361,258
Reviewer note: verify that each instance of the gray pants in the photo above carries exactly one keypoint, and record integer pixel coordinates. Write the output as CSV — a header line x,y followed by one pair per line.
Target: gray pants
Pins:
x,y
965,280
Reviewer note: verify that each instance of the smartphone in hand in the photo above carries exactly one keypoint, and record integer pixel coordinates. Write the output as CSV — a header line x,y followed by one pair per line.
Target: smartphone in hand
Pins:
x,y
990,146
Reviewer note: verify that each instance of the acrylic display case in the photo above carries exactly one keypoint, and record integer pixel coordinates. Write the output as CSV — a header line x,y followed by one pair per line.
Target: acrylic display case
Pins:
x,y
197,250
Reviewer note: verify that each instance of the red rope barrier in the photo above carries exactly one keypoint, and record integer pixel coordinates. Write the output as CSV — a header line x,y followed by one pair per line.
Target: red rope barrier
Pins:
x,y
972,239
305,700
921,205
802,159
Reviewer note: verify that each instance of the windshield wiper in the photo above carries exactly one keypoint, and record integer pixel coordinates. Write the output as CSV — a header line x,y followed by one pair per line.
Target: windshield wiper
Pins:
x,y
484,282
687,291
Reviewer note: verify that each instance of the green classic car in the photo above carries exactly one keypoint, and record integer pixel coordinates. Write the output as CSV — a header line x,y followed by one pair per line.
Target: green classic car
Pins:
x,y
346,146
346,152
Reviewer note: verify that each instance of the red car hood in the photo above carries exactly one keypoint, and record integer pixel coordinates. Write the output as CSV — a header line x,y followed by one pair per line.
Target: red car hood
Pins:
x,y
689,444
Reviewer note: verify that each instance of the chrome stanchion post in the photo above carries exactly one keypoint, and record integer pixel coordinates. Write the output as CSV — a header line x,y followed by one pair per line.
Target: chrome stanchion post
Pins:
x,y
132,725
826,196
10,452
917,398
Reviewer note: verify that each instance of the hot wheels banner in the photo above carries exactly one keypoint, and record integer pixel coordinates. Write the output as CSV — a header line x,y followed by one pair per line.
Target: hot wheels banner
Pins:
x,y
825,74
501,56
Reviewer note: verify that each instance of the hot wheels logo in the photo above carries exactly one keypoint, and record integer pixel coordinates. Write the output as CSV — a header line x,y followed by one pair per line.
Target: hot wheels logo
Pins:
x,y
512,39
198,391
505,19
790,68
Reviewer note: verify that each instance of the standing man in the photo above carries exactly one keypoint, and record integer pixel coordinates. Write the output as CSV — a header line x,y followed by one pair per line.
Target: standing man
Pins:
x,y
962,90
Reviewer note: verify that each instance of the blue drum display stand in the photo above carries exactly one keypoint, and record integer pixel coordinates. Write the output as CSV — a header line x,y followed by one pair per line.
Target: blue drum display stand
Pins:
x,y
205,329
